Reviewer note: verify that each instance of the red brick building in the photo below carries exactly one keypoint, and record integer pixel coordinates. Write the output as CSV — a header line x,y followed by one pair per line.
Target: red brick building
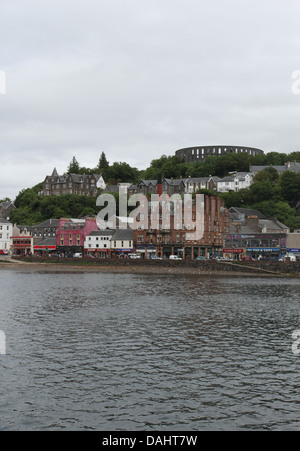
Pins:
x,y
177,239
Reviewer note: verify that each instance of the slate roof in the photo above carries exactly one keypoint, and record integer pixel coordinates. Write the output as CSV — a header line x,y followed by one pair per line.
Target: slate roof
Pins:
x,y
123,234
102,233
47,242
4,221
246,212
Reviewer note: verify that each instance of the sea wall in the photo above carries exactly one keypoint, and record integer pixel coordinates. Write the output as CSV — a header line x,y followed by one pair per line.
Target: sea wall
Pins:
x,y
292,268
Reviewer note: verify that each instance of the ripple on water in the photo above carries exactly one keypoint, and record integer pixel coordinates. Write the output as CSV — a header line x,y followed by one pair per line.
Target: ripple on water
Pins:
x,y
111,352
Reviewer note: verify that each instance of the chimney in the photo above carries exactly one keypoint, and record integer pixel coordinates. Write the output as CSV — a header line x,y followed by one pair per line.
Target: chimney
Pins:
x,y
159,185
253,222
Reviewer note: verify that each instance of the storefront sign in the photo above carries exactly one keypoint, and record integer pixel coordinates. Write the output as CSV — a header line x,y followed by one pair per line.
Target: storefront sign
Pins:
x,y
264,249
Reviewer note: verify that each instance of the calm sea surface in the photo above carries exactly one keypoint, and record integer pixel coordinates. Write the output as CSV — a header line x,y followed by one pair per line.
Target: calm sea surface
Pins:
x,y
131,352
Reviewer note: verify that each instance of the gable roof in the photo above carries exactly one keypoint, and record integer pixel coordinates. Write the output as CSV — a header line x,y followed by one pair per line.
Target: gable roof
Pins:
x,y
246,212
123,234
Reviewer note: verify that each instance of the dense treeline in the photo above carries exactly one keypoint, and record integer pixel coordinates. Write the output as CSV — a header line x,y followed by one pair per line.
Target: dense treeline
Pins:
x,y
34,209
218,166
118,172
273,195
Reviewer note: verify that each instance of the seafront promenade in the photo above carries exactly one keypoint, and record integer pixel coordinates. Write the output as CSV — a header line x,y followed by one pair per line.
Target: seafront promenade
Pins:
x,y
249,269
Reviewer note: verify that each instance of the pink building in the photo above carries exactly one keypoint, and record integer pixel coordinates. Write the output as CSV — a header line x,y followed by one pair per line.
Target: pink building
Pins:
x,y
71,234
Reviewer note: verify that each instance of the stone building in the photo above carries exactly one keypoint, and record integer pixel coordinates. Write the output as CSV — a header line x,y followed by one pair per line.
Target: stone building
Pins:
x,y
86,185
200,153
6,208
169,186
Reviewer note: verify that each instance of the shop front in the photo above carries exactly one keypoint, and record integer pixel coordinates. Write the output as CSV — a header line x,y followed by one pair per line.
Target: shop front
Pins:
x,y
22,245
234,254
46,247
123,253
265,253
97,252
295,252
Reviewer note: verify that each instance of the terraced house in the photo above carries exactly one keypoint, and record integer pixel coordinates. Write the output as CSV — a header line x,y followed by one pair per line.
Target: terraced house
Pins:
x,y
177,238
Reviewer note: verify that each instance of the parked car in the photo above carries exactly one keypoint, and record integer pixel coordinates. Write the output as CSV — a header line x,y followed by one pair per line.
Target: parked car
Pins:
x,y
135,256
175,257
200,258
2,252
77,255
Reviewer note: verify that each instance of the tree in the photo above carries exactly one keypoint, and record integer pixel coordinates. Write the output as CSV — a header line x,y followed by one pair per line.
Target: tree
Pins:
x,y
103,162
267,174
290,187
74,167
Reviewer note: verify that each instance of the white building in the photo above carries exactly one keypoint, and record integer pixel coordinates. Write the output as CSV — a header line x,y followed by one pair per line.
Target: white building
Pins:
x,y
6,232
98,243
122,242
101,183
109,243
194,184
235,182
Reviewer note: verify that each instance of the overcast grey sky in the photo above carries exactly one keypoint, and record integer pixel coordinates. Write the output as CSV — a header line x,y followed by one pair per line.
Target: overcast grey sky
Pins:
x,y
141,78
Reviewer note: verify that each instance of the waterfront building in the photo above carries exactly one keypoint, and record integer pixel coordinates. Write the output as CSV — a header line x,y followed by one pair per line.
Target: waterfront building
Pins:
x,y
42,231
6,232
254,236
71,234
293,244
21,242
109,243
43,234
98,243
177,239
122,243
46,246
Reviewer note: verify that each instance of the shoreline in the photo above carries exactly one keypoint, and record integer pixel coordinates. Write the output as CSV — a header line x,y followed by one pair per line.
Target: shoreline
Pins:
x,y
21,266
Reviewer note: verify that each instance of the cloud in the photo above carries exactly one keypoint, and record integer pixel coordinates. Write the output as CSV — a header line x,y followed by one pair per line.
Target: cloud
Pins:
x,y
141,79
